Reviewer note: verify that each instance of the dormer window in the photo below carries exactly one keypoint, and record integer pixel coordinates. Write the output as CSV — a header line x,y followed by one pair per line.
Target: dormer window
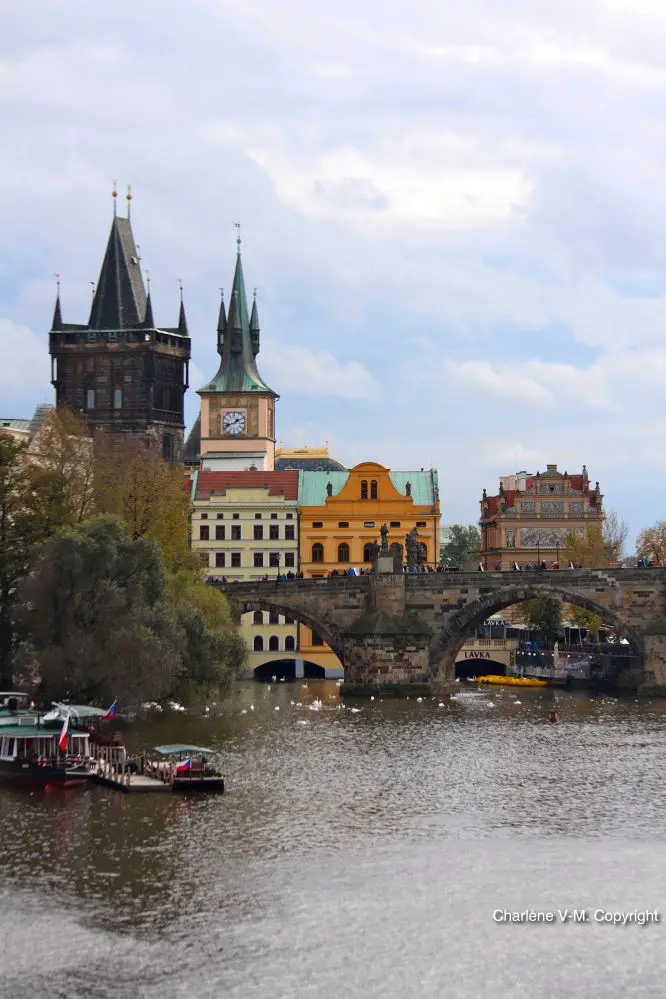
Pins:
x,y
364,489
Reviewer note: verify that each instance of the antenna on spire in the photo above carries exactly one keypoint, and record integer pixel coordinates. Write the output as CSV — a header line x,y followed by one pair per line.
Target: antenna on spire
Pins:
x,y
57,281
148,280
238,236
114,195
129,200
180,286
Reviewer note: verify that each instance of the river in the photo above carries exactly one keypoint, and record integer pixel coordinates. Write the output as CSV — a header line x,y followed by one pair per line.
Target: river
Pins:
x,y
354,854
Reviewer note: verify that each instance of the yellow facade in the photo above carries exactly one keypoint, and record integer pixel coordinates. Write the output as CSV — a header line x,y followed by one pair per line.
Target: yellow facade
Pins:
x,y
244,526
340,517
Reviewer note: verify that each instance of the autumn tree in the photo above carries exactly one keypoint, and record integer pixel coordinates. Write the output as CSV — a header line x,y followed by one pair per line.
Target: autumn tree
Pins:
x,y
651,543
148,495
62,456
544,615
600,545
585,620
99,621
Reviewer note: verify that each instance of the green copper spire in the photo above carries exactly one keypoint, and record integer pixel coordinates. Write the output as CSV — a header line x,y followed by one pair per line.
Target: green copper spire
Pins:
x,y
237,344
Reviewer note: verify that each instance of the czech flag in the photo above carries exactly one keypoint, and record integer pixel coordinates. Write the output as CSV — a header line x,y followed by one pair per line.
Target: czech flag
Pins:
x,y
185,765
111,713
62,743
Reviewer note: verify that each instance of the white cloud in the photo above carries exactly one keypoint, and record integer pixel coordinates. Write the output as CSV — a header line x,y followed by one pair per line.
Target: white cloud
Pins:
x,y
316,373
24,371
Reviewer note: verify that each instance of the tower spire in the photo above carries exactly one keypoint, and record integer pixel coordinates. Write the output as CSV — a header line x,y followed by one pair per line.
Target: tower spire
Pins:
x,y
182,318
221,324
254,325
57,315
119,300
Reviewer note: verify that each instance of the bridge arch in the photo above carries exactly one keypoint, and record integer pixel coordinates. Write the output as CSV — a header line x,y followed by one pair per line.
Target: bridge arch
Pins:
x,y
450,638
331,636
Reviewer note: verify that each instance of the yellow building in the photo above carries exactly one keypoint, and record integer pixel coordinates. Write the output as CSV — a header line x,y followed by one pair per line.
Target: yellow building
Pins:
x,y
340,516
244,527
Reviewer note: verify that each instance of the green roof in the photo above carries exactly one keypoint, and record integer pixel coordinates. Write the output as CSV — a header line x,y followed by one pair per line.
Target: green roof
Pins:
x,y
14,424
312,486
179,748
37,732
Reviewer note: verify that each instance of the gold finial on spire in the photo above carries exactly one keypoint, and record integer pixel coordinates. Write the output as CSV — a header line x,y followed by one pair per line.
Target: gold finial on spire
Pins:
x,y
114,195
129,200
238,236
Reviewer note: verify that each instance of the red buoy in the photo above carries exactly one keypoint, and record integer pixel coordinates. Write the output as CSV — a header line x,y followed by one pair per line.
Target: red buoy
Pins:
x,y
552,717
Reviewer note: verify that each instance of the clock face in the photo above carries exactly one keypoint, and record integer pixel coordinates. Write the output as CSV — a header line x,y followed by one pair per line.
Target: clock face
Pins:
x,y
234,423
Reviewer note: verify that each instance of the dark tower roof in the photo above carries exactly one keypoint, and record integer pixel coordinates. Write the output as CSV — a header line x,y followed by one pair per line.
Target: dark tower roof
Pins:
x,y
120,297
182,320
254,326
238,367
148,320
57,316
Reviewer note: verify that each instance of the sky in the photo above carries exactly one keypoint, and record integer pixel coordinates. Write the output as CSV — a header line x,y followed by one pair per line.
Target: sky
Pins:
x,y
454,216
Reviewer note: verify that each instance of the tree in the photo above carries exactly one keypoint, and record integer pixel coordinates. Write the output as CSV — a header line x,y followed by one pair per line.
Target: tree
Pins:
x,y
148,495
62,456
585,620
651,543
99,621
459,543
600,545
544,615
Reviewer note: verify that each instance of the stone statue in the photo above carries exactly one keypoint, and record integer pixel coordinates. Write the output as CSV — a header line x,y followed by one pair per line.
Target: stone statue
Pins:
x,y
408,488
411,547
384,533
511,538
396,550
374,550
329,488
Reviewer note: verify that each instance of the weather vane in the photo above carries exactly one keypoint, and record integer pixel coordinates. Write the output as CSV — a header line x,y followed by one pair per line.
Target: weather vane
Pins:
x,y
238,236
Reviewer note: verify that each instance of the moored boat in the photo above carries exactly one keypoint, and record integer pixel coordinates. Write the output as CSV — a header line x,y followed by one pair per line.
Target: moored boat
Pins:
x,y
34,755
186,768
511,681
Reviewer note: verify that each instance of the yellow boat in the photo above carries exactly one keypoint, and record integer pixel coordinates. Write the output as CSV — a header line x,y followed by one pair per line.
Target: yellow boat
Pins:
x,y
512,681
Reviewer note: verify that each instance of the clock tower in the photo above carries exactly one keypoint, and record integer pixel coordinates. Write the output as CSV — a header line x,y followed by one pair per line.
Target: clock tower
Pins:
x,y
236,429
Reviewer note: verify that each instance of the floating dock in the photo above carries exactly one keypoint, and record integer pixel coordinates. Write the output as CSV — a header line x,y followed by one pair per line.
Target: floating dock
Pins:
x,y
132,783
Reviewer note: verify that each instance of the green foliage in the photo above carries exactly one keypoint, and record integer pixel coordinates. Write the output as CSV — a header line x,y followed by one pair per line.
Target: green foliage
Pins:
x,y
461,540
100,621
544,615
585,619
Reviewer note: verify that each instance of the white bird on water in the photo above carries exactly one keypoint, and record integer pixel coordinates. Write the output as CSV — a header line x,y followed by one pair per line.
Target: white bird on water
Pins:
x,y
419,700
355,711
316,705
276,708
252,707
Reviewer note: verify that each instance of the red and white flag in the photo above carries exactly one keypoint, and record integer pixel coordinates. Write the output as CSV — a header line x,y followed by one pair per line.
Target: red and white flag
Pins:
x,y
62,744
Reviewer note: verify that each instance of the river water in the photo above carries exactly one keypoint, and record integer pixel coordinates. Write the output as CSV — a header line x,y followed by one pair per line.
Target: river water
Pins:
x,y
355,854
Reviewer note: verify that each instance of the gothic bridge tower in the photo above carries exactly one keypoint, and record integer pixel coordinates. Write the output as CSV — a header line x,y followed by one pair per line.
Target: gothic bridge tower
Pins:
x,y
125,375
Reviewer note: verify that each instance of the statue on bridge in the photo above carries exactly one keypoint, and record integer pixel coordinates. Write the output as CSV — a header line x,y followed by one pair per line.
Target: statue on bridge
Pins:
x,y
384,531
411,547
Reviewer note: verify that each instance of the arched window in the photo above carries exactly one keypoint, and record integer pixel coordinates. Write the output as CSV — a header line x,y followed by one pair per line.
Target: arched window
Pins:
x,y
343,552
317,552
367,551
273,644
289,643
373,489
258,644
364,489
258,617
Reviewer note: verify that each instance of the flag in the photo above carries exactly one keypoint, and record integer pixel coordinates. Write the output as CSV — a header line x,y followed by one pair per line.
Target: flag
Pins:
x,y
185,765
62,744
111,713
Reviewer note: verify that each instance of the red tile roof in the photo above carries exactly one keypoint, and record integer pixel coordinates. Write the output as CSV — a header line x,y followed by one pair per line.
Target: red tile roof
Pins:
x,y
277,483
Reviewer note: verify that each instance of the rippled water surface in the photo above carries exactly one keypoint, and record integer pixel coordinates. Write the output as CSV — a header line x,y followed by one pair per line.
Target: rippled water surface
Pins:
x,y
355,853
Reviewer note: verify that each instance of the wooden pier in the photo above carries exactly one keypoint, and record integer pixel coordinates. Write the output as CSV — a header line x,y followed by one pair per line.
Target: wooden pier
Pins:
x,y
120,779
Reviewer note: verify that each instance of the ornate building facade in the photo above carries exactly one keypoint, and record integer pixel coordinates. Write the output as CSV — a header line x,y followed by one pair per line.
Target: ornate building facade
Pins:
x,y
125,375
530,517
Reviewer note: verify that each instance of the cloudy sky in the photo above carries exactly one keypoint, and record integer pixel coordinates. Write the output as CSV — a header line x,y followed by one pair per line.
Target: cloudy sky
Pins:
x,y
455,216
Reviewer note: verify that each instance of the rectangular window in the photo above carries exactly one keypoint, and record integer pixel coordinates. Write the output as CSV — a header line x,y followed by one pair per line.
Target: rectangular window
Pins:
x,y
258,532
274,560
288,619
258,560
117,398
90,398
343,523
289,560
395,523
290,516
316,639
204,532
369,523
235,516
289,532
219,532
273,618
274,532
257,516
219,560
317,523
220,516
235,560
421,523
235,532
204,516
274,516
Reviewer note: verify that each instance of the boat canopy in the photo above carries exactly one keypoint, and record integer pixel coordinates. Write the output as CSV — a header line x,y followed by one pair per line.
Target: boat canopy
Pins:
x,y
38,732
181,749
82,710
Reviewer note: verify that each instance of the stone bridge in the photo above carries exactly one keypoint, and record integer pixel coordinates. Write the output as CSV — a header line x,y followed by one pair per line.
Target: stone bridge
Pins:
x,y
397,629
